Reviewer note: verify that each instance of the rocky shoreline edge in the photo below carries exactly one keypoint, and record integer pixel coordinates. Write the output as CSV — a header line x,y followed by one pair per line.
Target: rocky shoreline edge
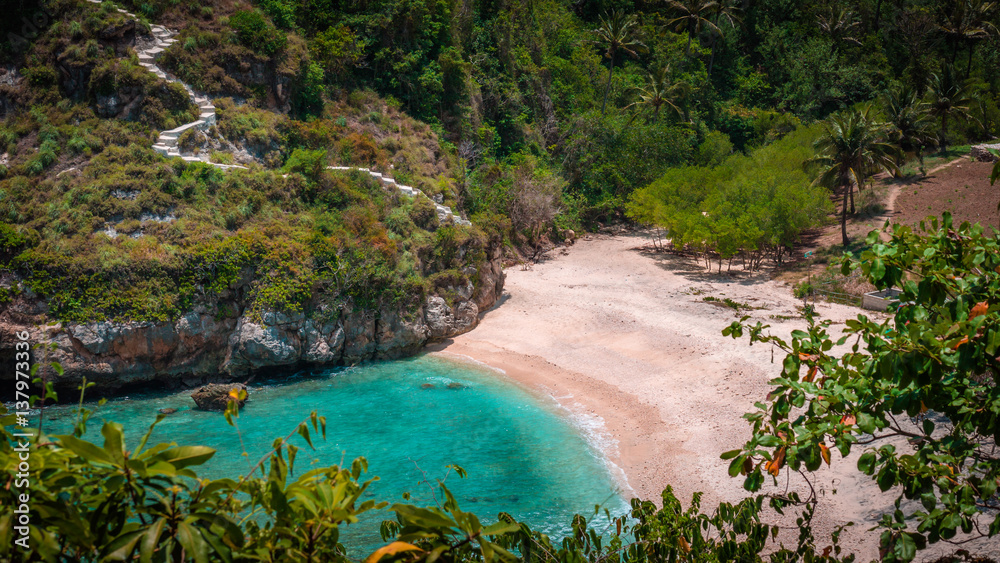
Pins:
x,y
206,346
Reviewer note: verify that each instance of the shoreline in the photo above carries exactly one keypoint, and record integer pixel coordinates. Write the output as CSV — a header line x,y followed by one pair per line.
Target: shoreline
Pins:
x,y
626,455
610,329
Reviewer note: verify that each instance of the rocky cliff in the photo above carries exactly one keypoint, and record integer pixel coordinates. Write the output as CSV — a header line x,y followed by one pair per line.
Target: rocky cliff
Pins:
x,y
206,345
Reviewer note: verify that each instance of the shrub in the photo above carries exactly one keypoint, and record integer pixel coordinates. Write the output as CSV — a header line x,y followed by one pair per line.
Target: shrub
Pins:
x,y
254,31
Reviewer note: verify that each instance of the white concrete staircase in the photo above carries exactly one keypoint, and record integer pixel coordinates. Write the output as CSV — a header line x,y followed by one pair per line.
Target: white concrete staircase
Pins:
x,y
443,212
166,143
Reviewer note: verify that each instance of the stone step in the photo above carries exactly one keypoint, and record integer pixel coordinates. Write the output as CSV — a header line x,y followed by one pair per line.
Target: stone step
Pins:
x,y
154,51
191,159
145,58
162,149
178,130
168,141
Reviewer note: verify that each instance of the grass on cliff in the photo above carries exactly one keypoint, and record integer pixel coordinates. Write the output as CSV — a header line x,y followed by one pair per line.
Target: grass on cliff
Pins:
x,y
99,226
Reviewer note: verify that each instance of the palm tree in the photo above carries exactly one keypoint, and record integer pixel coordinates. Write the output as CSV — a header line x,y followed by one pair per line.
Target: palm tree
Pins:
x,y
949,98
852,148
909,121
693,15
840,26
968,23
616,31
724,10
659,92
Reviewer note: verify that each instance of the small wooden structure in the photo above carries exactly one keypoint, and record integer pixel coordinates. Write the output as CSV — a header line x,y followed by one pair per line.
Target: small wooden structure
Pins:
x,y
880,300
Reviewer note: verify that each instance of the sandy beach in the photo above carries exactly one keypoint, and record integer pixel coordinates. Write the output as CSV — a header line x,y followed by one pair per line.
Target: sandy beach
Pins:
x,y
609,328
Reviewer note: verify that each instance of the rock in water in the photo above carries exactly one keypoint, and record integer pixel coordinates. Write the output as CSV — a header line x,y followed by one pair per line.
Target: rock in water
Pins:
x,y
215,396
167,411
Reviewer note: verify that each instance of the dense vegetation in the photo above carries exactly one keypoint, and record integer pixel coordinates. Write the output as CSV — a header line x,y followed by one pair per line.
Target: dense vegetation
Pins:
x,y
101,227
925,374
591,101
699,117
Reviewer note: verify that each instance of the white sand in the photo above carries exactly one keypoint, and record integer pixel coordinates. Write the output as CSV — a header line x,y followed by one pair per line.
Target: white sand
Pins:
x,y
611,329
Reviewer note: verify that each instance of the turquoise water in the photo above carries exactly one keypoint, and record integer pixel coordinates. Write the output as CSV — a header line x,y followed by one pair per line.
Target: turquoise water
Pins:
x,y
521,455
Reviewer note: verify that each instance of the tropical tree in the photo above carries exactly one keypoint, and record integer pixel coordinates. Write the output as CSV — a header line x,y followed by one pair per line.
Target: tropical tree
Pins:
x,y
616,32
728,11
949,98
660,91
852,147
840,25
968,22
909,121
692,16
912,397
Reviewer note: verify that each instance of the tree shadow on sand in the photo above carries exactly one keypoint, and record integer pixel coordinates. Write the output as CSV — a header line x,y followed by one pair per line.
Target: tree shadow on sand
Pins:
x,y
686,265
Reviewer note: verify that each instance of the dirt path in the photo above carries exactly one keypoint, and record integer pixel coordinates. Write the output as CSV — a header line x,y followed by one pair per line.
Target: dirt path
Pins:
x,y
611,329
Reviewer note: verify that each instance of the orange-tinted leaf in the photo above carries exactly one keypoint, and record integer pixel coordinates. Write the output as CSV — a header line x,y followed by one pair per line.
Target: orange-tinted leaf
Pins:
x,y
747,466
774,466
809,376
808,357
964,340
981,308
825,452
683,544
391,549
848,419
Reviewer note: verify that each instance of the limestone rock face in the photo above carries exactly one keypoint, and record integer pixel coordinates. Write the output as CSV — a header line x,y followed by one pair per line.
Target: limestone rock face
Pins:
x,y
218,341
253,345
491,279
444,320
359,334
323,344
400,333
215,396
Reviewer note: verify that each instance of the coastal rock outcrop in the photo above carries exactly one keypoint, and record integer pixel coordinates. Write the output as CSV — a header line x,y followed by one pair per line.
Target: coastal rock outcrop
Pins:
x,y
985,153
216,396
222,341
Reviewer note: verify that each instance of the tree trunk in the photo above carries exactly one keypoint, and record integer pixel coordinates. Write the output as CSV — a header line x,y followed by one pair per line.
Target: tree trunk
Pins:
x,y
944,133
690,36
711,60
968,66
843,215
607,89
878,15
920,158
851,188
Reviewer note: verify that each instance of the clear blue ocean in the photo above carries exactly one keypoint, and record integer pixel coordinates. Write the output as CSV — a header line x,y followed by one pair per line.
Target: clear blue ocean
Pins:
x,y
410,419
